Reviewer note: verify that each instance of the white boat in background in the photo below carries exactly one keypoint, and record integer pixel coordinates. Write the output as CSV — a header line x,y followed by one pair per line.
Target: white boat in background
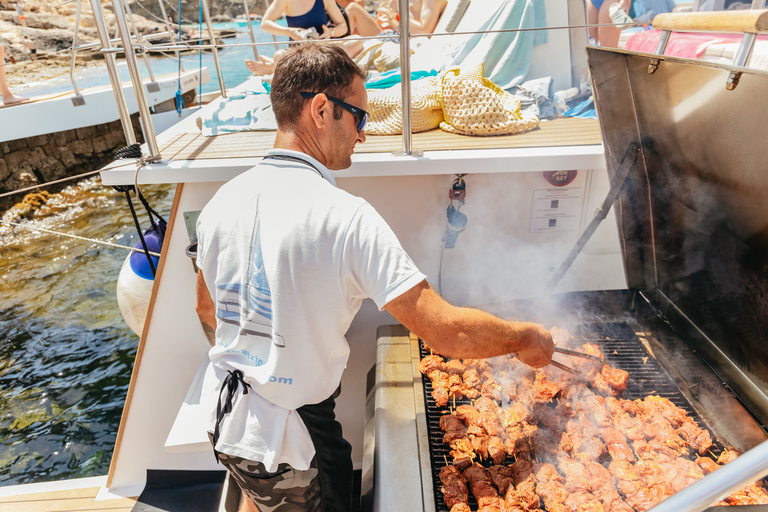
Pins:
x,y
92,106
241,19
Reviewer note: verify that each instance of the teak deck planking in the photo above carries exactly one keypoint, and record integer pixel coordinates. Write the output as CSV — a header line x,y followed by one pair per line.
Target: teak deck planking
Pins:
x,y
65,501
566,131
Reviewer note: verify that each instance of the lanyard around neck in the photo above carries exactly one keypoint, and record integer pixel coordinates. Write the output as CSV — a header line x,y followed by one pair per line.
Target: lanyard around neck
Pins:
x,y
295,159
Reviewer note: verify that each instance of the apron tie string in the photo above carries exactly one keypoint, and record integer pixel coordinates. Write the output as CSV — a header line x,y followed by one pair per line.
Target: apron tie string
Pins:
x,y
230,385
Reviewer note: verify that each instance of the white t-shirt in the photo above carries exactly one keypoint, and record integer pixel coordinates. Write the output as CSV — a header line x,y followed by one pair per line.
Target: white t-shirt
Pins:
x,y
288,259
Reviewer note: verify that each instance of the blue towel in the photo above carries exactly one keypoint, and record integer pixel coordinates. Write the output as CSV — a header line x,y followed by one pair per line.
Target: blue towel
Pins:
x,y
392,77
585,109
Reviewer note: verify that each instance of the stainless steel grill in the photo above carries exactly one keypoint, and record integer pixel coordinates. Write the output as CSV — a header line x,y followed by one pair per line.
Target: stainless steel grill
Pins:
x,y
624,349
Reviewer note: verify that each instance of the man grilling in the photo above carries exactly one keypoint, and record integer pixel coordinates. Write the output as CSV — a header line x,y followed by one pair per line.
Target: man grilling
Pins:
x,y
285,260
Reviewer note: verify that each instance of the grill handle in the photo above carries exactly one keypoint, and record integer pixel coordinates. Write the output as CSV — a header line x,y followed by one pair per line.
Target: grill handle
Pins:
x,y
746,21
747,468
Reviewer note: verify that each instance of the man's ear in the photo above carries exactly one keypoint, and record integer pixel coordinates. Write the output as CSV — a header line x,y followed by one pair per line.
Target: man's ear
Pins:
x,y
320,110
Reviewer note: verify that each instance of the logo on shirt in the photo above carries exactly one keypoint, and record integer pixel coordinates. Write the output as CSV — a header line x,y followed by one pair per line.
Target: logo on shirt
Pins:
x,y
249,306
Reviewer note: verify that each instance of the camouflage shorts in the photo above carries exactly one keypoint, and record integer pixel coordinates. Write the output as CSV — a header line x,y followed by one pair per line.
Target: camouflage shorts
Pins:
x,y
286,490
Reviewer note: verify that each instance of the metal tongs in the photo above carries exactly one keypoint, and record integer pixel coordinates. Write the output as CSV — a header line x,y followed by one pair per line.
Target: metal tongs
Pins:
x,y
568,369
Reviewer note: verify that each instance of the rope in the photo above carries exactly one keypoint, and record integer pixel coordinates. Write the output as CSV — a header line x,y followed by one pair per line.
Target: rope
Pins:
x,y
132,151
76,237
33,187
127,192
179,99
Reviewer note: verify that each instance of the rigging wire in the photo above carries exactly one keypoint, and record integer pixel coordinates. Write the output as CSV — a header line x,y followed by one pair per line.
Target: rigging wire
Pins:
x,y
94,240
33,187
227,12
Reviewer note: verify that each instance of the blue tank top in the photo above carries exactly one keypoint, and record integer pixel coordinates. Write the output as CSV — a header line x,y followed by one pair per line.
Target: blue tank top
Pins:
x,y
316,17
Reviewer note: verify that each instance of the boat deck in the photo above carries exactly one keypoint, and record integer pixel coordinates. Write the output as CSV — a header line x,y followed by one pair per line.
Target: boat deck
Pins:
x,y
189,156
71,500
566,131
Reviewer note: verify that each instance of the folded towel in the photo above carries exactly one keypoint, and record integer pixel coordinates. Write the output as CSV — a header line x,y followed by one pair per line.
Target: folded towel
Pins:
x,y
238,113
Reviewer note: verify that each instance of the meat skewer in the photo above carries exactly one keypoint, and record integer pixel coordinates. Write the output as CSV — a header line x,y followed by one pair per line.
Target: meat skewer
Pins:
x,y
454,489
482,489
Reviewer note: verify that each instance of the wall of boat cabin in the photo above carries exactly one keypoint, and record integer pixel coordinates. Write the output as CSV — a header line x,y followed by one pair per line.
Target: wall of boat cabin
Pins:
x,y
562,57
504,254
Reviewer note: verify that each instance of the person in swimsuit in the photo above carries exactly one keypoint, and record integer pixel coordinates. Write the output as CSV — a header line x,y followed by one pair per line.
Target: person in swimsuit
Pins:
x,y
29,45
598,13
423,15
329,19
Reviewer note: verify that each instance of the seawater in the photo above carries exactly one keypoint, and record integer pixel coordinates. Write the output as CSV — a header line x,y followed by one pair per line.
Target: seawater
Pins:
x,y
65,353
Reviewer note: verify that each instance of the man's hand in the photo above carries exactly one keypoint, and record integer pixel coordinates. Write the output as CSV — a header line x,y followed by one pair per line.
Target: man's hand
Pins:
x,y
538,346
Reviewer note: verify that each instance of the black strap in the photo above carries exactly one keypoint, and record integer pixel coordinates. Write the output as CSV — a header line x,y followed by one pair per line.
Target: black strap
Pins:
x,y
127,191
294,159
230,385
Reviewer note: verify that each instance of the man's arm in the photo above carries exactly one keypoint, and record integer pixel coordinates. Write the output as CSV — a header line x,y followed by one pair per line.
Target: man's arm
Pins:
x,y
468,333
206,310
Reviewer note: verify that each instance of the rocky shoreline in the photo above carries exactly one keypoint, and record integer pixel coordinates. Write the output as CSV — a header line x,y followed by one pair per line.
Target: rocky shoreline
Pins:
x,y
51,27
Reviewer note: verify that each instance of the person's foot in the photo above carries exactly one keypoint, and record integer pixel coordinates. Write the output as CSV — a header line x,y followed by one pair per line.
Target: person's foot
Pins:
x,y
13,100
264,66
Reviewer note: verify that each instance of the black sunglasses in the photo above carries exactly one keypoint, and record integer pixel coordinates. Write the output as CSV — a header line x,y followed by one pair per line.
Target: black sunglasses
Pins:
x,y
360,115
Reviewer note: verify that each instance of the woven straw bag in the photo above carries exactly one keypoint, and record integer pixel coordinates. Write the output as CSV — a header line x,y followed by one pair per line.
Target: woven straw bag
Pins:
x,y
473,105
385,108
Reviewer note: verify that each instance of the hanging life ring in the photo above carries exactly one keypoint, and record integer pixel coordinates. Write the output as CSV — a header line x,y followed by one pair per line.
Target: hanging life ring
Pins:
x,y
135,281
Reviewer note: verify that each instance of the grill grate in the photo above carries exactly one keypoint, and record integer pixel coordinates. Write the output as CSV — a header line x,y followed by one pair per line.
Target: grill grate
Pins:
x,y
622,349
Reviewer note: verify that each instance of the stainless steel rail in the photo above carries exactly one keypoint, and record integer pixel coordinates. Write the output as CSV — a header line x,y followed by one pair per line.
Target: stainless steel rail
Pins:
x,y
138,38
207,16
138,86
74,54
747,468
168,27
405,74
114,77
250,28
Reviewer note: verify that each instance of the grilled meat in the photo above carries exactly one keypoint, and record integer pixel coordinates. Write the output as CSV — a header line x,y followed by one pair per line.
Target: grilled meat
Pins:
x,y
594,451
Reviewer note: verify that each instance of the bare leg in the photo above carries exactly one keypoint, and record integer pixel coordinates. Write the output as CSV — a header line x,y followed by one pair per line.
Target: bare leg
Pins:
x,y
352,45
362,22
592,19
608,36
8,97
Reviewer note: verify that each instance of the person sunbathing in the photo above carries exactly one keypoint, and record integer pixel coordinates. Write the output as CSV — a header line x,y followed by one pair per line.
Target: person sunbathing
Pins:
x,y
423,15
315,19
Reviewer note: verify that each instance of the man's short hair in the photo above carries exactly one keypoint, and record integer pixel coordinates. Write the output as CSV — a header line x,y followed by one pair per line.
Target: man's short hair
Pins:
x,y
310,67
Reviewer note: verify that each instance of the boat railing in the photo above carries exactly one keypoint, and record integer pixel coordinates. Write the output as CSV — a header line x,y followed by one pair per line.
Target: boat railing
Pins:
x,y
120,9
